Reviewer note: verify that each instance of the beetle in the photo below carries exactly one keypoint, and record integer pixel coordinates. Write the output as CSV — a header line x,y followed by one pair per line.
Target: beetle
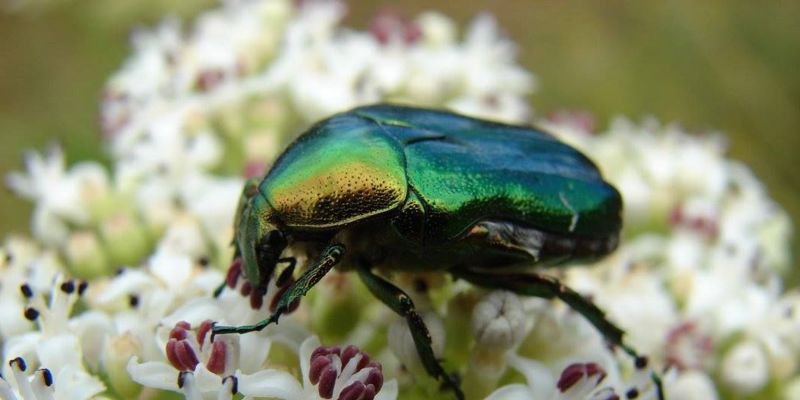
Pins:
x,y
405,188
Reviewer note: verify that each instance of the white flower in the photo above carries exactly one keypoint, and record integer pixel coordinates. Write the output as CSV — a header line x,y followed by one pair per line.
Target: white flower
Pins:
x,y
62,197
745,367
22,263
59,348
577,380
499,321
693,385
327,373
68,383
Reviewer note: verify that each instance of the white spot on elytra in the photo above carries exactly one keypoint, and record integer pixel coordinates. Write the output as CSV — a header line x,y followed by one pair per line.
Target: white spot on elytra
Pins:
x,y
574,221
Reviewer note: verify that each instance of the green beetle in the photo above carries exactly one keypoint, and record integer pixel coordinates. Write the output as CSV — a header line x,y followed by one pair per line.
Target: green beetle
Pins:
x,y
417,189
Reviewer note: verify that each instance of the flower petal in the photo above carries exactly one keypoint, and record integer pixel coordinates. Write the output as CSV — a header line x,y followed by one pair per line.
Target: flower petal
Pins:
x,y
270,383
516,391
308,347
153,374
388,391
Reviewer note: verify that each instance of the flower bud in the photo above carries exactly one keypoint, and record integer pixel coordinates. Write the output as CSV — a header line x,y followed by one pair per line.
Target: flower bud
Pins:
x,y
693,385
498,323
125,238
745,368
85,255
118,350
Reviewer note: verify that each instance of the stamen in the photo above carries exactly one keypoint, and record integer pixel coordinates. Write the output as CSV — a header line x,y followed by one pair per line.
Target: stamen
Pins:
x,y
605,394
233,382
203,330
246,289
574,373
82,287
257,298
180,331
186,355
31,314
234,271
326,382
182,379
216,361
26,290
18,367
47,376
133,301
353,392
18,363
68,287
318,365
375,377
344,374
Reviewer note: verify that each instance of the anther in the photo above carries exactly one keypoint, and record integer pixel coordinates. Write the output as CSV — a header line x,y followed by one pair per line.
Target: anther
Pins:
x,y
18,362
181,378
47,376
82,287
26,290
133,301
632,393
68,287
31,314
234,384
641,362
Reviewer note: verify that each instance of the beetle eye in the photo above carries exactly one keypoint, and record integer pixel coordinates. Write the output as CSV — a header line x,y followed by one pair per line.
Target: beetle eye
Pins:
x,y
250,191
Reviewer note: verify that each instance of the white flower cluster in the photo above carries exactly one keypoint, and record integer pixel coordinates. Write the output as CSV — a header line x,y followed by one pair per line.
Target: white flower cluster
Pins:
x,y
697,283
114,298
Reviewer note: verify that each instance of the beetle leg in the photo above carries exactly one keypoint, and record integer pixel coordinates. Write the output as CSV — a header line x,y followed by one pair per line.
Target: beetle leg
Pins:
x,y
397,300
330,257
290,260
547,287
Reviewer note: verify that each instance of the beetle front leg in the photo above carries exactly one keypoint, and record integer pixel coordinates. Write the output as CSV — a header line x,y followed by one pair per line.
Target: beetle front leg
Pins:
x,y
397,300
329,258
549,288
218,291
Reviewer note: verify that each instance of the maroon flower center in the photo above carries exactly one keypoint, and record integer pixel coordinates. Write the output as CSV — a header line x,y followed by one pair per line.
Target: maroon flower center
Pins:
x,y
349,370
184,348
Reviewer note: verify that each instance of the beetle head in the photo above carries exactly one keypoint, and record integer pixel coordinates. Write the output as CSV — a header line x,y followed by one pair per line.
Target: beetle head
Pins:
x,y
258,240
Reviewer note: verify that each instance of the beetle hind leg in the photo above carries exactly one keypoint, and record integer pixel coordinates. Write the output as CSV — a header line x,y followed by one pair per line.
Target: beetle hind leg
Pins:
x,y
530,284
397,300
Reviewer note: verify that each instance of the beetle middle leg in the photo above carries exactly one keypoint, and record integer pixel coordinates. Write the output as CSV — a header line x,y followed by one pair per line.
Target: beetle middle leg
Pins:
x,y
329,258
531,284
399,302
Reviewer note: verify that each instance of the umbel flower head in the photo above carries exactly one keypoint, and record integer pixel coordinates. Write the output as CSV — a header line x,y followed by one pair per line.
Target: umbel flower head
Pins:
x,y
115,295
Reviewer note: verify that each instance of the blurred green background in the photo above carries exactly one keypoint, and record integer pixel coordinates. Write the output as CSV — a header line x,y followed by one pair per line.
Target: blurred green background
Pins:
x,y
723,65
